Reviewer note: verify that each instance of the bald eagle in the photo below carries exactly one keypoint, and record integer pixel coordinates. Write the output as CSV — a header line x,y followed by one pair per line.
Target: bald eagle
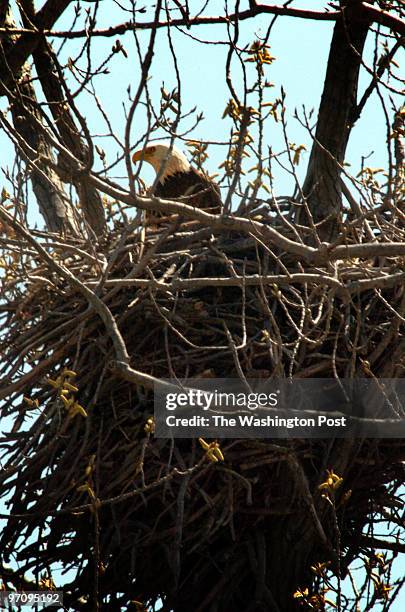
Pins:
x,y
177,179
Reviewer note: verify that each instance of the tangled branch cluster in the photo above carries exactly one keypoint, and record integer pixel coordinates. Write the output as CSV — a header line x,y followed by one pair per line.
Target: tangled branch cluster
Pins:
x,y
85,336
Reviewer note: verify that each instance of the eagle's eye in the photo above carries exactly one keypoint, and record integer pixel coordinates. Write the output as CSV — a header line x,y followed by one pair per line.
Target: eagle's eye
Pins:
x,y
150,150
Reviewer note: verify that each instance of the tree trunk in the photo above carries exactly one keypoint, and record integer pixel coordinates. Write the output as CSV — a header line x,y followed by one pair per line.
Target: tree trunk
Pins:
x,y
322,187
89,198
48,188
51,82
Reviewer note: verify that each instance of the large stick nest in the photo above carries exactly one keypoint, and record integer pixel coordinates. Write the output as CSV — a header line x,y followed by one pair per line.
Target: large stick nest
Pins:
x,y
139,517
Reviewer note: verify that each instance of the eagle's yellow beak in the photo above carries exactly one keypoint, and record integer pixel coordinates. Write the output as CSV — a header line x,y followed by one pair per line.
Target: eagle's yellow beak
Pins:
x,y
138,155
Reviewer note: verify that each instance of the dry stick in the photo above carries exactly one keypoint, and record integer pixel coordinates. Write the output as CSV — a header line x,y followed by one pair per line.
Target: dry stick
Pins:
x,y
355,206
385,282
183,284
320,255
234,352
383,64
301,477
123,28
118,498
384,544
145,66
387,305
69,247
375,14
245,226
178,535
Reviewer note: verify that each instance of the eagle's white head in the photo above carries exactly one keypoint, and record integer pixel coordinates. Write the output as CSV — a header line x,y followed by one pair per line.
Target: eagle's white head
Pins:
x,y
163,159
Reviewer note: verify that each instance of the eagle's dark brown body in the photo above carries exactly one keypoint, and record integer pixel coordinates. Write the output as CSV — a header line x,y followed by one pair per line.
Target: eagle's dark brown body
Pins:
x,y
193,188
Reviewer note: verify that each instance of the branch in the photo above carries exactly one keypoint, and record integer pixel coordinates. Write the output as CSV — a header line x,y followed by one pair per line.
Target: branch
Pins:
x,y
383,544
118,498
181,284
375,14
246,226
383,65
384,18
125,372
382,282
367,250
123,28
250,227
185,284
